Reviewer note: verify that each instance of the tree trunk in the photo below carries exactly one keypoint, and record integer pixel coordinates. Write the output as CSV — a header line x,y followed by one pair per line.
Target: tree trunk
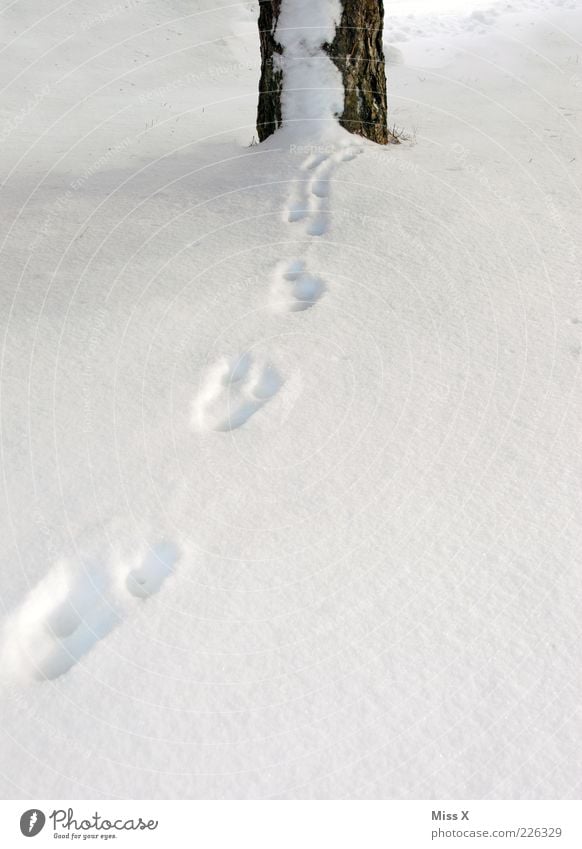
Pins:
x,y
269,114
357,51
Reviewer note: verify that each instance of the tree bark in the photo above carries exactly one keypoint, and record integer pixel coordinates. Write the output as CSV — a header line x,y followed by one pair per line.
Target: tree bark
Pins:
x,y
269,114
357,51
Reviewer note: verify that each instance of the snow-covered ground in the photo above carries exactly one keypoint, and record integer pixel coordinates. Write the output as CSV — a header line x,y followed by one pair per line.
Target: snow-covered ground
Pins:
x,y
290,433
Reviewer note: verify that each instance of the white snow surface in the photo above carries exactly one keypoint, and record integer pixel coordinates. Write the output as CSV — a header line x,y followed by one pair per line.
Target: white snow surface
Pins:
x,y
290,433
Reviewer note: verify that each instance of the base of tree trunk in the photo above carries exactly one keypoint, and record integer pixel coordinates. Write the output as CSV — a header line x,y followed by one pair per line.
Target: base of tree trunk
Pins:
x,y
358,53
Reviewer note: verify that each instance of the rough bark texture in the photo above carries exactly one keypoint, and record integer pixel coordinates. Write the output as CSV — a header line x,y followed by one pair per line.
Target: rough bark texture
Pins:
x,y
269,116
358,53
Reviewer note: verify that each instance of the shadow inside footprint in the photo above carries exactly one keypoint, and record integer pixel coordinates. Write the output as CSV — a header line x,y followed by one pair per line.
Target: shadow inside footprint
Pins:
x,y
318,225
234,390
68,650
82,593
314,160
294,288
320,187
74,607
60,621
157,565
267,384
297,211
349,154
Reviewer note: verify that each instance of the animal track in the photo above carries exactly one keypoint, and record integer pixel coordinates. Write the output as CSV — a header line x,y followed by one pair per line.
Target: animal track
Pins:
x,y
149,575
234,390
309,196
294,288
318,222
314,160
74,607
297,207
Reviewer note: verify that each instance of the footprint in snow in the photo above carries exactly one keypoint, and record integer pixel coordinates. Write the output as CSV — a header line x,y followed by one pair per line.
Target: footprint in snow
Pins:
x,y
235,389
74,607
151,572
294,288
314,160
309,196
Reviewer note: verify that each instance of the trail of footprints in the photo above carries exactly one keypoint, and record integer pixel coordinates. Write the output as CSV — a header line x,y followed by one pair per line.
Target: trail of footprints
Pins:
x,y
235,389
77,604
309,201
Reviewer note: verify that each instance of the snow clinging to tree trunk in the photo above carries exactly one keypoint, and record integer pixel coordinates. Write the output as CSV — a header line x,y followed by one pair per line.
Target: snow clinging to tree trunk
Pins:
x,y
312,90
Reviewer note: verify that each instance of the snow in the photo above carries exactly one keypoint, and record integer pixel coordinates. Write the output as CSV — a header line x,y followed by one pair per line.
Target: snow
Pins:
x,y
234,390
313,91
291,432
